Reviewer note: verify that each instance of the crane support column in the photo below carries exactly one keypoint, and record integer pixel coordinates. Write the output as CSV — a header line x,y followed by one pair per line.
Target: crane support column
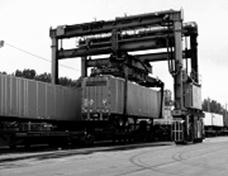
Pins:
x,y
54,62
178,82
194,60
84,66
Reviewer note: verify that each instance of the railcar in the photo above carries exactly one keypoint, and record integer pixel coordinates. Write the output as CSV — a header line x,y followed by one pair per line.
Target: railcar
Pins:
x,y
37,112
214,124
32,111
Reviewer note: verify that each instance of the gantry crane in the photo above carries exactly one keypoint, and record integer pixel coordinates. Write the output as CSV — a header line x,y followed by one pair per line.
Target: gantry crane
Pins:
x,y
162,37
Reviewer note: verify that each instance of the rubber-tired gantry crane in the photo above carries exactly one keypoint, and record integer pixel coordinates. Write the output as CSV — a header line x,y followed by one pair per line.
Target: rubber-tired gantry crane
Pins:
x,y
162,36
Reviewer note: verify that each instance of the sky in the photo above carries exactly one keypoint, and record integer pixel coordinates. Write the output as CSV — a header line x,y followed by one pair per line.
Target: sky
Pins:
x,y
25,25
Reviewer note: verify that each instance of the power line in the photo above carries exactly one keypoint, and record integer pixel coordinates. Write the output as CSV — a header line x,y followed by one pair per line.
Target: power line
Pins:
x,y
37,56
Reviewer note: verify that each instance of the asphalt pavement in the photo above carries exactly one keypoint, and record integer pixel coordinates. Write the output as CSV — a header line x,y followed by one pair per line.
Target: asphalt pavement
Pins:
x,y
208,158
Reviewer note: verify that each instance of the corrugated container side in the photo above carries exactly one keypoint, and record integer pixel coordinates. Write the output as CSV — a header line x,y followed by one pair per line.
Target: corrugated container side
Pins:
x,y
116,95
193,96
59,102
207,119
77,102
31,99
141,101
20,96
25,106
134,97
66,104
217,120
41,103
197,99
51,101
2,96
213,119
13,98
7,88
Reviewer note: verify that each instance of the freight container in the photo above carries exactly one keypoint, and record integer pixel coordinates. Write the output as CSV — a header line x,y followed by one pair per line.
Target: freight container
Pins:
x,y
30,99
104,95
192,96
213,119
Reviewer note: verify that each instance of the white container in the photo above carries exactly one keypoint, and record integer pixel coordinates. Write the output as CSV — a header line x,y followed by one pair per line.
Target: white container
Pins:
x,y
213,119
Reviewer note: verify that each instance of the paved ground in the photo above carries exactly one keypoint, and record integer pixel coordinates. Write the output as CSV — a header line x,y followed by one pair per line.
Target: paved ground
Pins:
x,y
209,158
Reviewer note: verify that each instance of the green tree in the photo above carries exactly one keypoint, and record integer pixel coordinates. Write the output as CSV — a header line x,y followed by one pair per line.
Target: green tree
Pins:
x,y
45,77
212,106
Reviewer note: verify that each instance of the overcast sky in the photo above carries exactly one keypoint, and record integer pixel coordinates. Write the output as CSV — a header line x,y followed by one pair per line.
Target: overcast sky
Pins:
x,y
25,24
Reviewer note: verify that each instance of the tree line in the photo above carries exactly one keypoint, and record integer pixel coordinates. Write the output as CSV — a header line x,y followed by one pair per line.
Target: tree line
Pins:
x,y
44,77
213,106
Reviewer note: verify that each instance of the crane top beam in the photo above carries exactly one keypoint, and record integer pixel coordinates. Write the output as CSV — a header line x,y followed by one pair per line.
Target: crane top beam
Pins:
x,y
144,40
120,23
